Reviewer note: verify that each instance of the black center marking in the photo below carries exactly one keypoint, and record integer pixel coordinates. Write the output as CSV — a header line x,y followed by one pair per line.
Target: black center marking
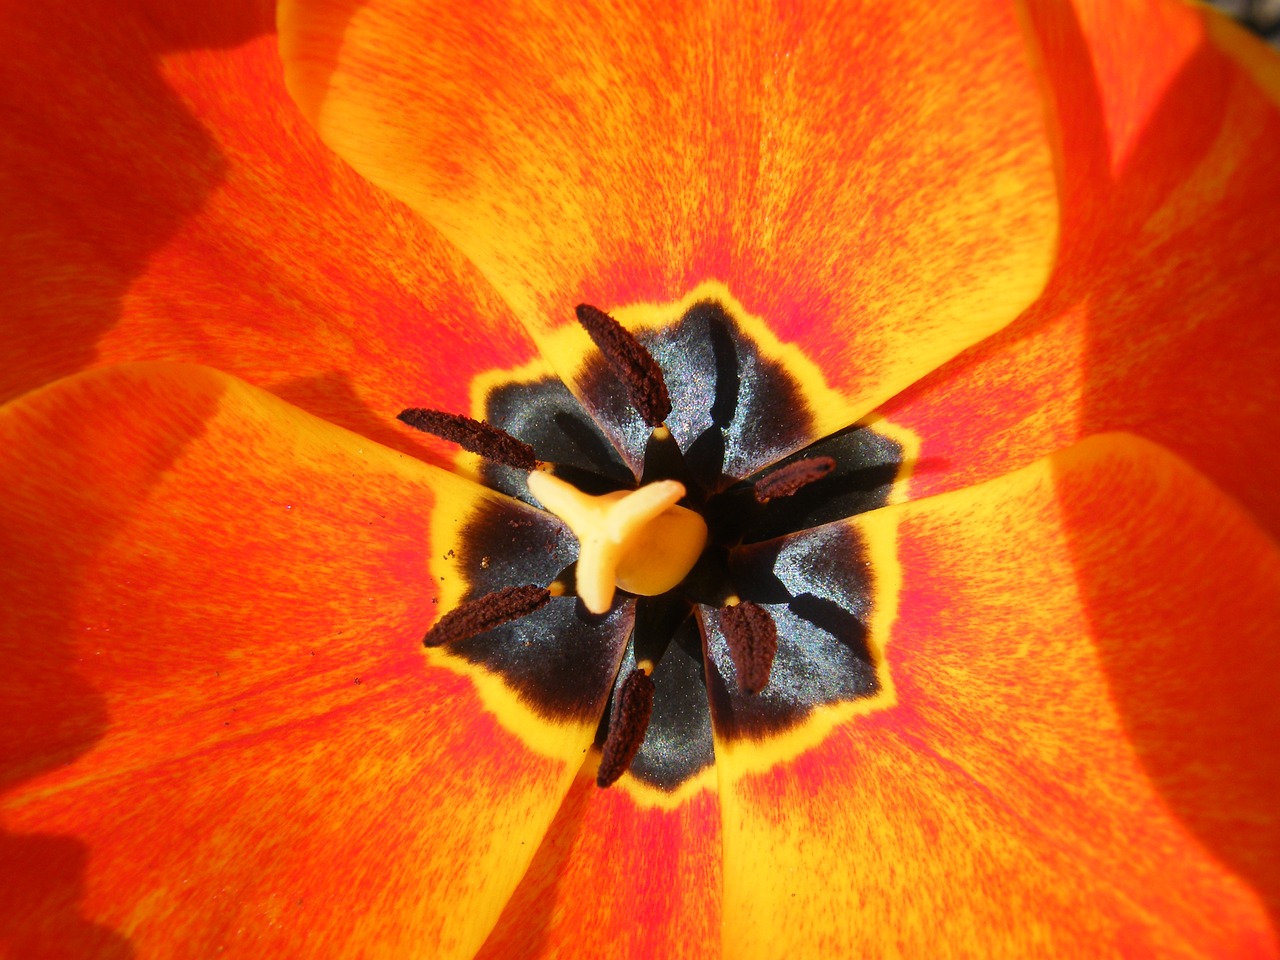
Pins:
x,y
735,412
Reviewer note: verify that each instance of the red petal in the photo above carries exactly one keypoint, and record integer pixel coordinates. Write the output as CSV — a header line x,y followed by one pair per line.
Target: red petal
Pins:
x,y
1156,320
1077,758
619,876
221,728
881,202
164,200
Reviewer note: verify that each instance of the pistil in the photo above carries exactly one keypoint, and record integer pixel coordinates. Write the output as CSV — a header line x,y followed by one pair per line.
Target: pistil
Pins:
x,y
641,540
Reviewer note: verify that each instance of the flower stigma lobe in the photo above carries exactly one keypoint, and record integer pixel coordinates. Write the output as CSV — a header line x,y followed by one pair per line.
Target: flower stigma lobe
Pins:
x,y
639,540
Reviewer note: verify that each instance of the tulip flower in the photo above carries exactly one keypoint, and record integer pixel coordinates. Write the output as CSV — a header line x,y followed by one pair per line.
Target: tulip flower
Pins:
x,y
872,482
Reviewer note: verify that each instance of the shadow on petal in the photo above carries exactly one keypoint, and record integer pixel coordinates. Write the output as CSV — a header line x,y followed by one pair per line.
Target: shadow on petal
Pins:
x,y
332,397
1154,322
1198,693
1193,666
615,877
524,928
50,715
85,206
41,876
1154,319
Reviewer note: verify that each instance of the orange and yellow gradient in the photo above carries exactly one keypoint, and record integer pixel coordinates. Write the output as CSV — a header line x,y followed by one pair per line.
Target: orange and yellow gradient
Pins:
x,y
1044,239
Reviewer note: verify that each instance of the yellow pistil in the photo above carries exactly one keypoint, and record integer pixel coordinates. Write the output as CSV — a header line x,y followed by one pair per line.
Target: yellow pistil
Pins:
x,y
638,540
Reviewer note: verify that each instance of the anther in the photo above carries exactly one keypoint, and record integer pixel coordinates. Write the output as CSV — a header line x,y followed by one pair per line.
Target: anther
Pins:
x,y
633,364
484,613
753,642
631,712
785,481
479,438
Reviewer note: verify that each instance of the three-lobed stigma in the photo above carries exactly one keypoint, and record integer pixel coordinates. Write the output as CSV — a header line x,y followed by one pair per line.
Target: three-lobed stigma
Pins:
x,y
641,541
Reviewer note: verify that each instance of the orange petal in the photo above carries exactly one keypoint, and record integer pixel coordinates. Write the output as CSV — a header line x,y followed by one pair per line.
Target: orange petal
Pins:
x,y
881,202
164,200
1157,320
619,877
220,727
1080,758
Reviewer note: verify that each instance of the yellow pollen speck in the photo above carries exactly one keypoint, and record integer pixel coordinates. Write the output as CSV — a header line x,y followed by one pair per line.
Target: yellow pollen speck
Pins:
x,y
639,540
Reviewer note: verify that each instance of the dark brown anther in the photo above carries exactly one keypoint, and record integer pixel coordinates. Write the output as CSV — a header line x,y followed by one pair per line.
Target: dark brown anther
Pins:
x,y
484,613
633,364
785,481
631,712
753,643
480,438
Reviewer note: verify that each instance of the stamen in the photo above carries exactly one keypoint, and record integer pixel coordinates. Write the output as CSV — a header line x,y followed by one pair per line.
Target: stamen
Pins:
x,y
753,642
785,481
479,438
484,613
630,361
631,712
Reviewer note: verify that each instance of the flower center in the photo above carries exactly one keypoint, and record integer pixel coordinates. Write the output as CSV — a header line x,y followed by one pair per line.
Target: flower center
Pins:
x,y
745,602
